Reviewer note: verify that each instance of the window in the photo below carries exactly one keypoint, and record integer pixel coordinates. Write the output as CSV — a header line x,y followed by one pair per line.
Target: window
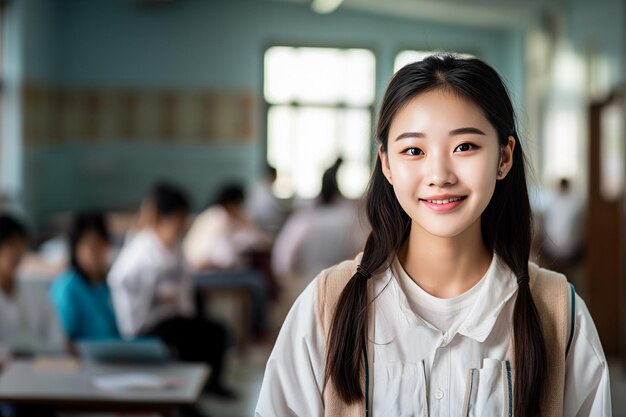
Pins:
x,y
319,107
408,56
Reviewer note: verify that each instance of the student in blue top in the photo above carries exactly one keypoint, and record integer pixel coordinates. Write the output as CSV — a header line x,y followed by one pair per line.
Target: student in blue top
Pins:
x,y
81,294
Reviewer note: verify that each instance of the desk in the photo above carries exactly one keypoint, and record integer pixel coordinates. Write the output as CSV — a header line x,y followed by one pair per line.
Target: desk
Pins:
x,y
249,289
72,389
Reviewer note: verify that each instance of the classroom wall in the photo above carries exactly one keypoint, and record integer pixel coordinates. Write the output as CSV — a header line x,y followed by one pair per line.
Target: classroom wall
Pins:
x,y
599,28
28,36
10,125
216,44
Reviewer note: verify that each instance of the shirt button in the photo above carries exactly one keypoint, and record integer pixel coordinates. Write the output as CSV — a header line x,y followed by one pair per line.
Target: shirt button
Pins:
x,y
439,394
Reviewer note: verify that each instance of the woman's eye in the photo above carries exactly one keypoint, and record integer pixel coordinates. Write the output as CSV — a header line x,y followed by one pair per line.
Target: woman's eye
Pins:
x,y
464,147
413,151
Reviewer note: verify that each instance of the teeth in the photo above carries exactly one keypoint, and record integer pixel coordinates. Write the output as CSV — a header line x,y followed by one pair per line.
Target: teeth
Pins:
x,y
446,201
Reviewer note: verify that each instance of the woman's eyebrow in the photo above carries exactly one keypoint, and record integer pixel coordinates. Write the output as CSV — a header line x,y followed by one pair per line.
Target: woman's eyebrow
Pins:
x,y
410,135
459,131
466,130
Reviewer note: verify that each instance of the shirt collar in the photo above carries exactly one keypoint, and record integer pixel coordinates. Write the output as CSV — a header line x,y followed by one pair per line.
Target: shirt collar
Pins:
x,y
498,287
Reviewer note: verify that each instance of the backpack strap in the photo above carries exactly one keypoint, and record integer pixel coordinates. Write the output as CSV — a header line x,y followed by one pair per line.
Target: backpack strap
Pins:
x,y
551,294
329,285
572,321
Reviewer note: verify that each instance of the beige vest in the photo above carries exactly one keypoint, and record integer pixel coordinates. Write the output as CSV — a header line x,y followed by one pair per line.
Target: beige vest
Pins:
x,y
551,293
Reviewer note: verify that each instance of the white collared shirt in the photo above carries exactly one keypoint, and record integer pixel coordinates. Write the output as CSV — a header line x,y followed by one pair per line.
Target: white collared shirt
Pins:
x,y
315,238
149,282
218,239
28,321
420,371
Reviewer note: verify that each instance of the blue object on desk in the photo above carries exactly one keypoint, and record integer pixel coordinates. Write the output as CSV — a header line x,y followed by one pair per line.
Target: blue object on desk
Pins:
x,y
140,351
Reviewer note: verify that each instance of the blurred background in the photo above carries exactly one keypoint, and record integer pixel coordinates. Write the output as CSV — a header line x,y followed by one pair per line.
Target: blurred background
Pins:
x,y
260,113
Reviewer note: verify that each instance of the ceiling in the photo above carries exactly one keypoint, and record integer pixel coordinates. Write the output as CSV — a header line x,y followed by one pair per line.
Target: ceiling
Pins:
x,y
483,13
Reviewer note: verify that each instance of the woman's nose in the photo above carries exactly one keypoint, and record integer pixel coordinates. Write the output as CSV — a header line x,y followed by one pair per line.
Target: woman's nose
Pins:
x,y
439,172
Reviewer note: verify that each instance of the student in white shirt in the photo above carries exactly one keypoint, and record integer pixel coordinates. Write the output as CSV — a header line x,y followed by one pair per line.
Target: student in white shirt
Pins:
x,y
442,292
28,322
262,205
315,238
221,239
153,292
564,224
222,235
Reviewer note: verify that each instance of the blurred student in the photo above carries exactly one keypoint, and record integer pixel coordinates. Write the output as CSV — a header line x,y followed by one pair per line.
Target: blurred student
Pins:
x,y
222,235
262,205
317,237
220,240
81,294
563,221
28,323
146,216
153,293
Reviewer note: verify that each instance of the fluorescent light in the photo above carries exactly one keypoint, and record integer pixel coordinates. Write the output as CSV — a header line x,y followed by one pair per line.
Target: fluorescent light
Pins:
x,y
325,6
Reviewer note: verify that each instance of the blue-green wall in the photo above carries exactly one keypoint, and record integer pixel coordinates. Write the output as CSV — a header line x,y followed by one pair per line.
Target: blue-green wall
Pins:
x,y
209,44
601,26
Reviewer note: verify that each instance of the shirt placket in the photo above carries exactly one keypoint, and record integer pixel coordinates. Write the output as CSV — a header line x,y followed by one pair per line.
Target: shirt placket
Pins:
x,y
439,389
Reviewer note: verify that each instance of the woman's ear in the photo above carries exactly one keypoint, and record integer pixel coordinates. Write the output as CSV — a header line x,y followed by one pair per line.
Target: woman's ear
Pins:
x,y
506,159
384,162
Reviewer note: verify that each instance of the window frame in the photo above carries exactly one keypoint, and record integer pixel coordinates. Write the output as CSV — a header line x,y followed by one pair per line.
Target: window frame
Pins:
x,y
266,105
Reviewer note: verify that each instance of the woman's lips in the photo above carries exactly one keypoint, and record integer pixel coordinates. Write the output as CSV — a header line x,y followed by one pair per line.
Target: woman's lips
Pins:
x,y
444,207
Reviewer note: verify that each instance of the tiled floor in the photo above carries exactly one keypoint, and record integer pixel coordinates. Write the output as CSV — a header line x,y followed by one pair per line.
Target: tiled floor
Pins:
x,y
245,376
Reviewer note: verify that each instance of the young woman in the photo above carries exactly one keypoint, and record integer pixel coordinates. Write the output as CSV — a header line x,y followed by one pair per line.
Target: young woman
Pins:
x,y
81,294
442,314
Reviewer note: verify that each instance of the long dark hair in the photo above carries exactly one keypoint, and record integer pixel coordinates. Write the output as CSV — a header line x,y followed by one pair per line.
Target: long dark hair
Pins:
x,y
169,199
83,223
11,228
506,227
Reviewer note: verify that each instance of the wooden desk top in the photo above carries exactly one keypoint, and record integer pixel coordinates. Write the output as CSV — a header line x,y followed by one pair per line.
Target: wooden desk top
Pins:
x,y
72,387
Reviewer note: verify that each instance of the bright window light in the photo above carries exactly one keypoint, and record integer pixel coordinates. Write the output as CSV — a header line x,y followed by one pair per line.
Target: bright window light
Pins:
x,y
319,108
561,157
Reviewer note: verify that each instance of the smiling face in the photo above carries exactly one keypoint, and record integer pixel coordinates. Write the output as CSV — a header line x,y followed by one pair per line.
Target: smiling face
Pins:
x,y
443,160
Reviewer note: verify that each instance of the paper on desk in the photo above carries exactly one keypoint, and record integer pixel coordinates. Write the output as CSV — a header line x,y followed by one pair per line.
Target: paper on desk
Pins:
x,y
133,381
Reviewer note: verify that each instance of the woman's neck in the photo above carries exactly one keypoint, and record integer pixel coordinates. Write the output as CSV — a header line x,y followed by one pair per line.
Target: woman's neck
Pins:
x,y
445,267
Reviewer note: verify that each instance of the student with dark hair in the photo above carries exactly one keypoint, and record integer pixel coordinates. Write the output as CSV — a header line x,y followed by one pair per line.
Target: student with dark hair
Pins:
x,y
153,292
563,216
81,295
28,323
442,314
264,208
230,195
317,237
221,235
330,185
219,240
